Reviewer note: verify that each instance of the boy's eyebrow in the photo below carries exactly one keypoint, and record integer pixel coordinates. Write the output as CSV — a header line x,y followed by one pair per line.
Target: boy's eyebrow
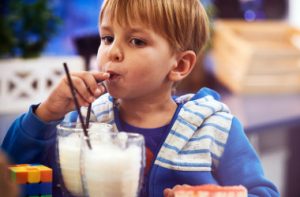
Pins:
x,y
130,30
137,30
108,28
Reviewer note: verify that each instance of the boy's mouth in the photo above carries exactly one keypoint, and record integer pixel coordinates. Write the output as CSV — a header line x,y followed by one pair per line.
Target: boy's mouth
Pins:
x,y
113,75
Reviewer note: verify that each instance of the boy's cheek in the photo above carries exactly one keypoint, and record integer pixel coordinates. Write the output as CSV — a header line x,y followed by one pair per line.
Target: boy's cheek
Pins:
x,y
99,60
100,63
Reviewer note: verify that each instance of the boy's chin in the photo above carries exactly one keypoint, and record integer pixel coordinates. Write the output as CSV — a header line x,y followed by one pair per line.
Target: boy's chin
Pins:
x,y
114,94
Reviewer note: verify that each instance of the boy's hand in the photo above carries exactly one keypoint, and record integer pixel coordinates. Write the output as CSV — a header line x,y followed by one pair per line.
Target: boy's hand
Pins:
x,y
170,192
60,101
7,187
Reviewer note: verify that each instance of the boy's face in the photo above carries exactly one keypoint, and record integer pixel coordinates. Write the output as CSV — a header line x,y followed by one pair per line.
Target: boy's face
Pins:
x,y
137,58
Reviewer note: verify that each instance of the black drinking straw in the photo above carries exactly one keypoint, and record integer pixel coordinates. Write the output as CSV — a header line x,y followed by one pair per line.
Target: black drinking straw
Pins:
x,y
77,105
87,120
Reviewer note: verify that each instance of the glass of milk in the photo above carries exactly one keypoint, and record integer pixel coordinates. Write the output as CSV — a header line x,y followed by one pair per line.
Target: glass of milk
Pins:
x,y
69,148
114,166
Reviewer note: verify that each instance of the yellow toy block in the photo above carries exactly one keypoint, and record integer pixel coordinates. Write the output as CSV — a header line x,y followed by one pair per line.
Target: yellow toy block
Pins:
x,y
34,174
25,173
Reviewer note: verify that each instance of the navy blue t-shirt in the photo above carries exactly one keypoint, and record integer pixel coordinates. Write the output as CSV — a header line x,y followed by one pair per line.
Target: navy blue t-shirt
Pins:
x,y
153,139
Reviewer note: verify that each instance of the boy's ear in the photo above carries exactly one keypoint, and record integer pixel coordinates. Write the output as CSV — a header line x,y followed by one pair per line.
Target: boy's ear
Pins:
x,y
185,63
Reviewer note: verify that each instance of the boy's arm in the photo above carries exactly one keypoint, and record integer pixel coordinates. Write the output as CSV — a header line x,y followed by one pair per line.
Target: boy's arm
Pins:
x,y
240,164
30,140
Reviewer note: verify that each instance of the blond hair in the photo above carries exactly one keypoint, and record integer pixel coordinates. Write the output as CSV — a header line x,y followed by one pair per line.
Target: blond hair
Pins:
x,y
183,23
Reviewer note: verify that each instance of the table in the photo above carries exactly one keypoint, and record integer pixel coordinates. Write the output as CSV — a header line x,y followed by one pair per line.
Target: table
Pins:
x,y
258,112
265,112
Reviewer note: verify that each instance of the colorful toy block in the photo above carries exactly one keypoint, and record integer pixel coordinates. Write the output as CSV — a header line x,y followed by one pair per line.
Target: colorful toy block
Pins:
x,y
34,180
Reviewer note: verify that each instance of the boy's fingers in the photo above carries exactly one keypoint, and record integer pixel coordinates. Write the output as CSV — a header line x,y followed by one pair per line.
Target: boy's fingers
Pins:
x,y
100,76
81,101
91,80
168,192
3,159
82,90
3,165
91,83
8,188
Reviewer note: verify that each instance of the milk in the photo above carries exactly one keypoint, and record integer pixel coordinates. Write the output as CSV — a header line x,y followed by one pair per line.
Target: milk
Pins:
x,y
70,141
69,158
113,167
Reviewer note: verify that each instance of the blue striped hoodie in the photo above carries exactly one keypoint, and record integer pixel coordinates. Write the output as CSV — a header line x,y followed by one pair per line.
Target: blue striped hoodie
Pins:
x,y
205,144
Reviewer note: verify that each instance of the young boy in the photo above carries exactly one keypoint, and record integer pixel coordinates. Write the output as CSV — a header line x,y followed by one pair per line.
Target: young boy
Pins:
x,y
146,47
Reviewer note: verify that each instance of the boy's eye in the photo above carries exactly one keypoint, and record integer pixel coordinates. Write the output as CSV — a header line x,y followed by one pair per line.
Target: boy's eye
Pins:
x,y
137,42
107,39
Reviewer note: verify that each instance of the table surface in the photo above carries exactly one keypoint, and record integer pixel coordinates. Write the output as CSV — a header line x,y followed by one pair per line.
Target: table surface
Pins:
x,y
257,111
264,111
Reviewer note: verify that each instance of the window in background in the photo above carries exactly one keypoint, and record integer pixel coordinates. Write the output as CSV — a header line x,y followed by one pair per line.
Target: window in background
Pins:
x,y
252,9
79,17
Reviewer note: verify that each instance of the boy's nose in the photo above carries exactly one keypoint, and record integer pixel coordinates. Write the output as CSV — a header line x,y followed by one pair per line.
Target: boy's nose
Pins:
x,y
116,53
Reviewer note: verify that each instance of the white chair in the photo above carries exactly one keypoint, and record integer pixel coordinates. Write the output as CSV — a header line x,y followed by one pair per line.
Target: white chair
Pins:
x,y
24,82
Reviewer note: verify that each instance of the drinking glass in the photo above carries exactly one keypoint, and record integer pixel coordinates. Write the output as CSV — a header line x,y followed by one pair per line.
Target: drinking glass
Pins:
x,y
69,149
114,166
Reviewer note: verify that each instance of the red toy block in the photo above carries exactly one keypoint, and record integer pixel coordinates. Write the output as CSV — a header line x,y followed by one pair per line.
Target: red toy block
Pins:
x,y
46,173
18,174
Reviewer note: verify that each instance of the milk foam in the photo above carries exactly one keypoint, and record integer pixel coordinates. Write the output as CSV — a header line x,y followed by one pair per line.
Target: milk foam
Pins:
x,y
111,170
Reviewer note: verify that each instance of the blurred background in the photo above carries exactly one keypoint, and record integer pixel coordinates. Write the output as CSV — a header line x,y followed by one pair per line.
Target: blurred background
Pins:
x,y
253,61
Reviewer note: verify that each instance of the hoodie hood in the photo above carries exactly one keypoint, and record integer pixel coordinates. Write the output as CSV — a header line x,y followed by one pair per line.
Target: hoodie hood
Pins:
x,y
206,92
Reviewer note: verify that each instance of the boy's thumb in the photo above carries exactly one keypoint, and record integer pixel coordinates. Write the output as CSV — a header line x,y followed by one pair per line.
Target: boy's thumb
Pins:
x,y
168,192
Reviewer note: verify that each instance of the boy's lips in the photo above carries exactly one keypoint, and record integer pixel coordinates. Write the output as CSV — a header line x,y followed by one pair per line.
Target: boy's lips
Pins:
x,y
113,75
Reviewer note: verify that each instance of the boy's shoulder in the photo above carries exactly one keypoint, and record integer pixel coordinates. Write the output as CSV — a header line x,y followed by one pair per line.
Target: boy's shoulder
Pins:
x,y
202,125
202,106
202,94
